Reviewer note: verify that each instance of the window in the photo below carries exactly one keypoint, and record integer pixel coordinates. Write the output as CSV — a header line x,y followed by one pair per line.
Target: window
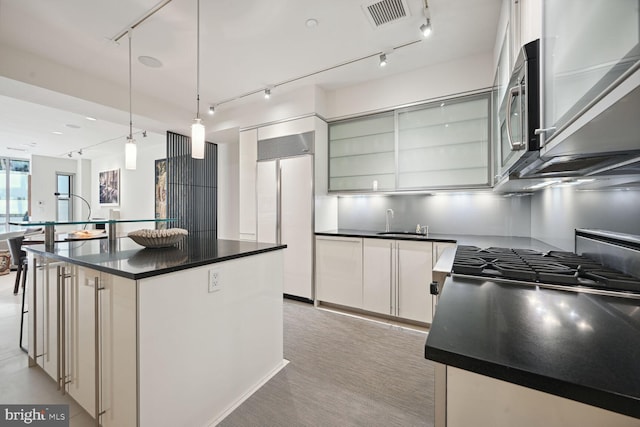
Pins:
x,y
64,207
14,192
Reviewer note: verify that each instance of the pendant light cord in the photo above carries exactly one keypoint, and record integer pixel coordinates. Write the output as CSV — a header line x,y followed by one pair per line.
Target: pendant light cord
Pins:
x,y
130,108
198,63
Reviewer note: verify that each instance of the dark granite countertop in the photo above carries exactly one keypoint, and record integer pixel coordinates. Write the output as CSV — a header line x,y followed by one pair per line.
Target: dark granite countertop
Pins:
x,y
584,347
481,241
126,258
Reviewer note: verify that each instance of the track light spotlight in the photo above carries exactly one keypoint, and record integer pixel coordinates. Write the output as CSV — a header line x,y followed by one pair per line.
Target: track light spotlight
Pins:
x,y
383,60
144,133
425,29
267,93
212,110
70,154
80,151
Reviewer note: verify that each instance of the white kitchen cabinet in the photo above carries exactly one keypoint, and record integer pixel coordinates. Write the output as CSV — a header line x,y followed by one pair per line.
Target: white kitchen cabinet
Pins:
x,y
379,275
478,400
80,335
248,154
66,303
113,305
397,275
414,279
339,270
46,305
118,378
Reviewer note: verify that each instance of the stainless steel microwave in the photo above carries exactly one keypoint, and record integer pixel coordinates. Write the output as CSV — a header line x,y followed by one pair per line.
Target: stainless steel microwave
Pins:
x,y
519,113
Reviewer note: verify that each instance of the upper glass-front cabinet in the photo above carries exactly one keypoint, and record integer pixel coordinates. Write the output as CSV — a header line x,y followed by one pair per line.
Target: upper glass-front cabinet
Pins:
x,y
439,145
362,154
444,144
586,46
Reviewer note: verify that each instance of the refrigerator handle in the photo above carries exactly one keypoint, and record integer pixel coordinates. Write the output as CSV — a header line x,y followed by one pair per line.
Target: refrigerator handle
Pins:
x,y
278,202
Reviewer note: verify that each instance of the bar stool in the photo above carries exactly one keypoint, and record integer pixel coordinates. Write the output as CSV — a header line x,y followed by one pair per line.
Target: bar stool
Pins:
x,y
19,257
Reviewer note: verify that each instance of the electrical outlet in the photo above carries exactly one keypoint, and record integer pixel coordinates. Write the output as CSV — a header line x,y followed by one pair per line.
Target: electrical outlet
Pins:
x,y
214,280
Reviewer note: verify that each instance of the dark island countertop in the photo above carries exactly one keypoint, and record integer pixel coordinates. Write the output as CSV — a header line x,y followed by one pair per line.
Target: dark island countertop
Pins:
x,y
481,241
126,258
581,346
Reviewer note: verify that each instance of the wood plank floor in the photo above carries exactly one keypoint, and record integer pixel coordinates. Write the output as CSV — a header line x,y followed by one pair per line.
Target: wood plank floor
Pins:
x,y
343,371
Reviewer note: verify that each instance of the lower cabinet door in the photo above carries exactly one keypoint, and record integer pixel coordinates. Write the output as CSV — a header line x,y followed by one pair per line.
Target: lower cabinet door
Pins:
x,y
339,270
118,357
414,277
80,336
378,276
44,273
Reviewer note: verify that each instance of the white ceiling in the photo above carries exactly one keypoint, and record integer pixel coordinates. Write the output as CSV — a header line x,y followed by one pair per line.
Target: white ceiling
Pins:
x,y
245,46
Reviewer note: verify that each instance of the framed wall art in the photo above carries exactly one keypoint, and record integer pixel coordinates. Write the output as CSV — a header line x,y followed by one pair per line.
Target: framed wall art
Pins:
x,y
109,187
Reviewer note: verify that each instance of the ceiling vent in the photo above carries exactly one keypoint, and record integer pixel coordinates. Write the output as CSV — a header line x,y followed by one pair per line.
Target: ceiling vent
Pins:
x,y
386,11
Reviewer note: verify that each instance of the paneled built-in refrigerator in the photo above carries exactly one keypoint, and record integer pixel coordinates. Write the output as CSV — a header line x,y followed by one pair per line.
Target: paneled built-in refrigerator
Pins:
x,y
284,189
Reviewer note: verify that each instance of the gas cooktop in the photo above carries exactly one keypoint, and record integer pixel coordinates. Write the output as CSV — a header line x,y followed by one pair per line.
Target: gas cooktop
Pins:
x,y
553,267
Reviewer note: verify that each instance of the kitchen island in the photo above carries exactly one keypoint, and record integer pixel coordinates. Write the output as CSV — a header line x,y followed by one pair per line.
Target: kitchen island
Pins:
x,y
524,355
157,337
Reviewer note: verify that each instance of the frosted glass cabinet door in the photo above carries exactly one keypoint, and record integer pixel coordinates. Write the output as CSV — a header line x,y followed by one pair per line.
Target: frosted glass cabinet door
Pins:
x,y
444,144
362,153
586,46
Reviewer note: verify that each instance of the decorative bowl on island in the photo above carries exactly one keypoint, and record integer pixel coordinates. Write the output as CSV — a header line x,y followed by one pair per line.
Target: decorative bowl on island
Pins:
x,y
158,238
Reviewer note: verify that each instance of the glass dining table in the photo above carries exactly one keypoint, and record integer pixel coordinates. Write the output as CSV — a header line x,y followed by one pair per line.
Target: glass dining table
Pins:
x,y
50,229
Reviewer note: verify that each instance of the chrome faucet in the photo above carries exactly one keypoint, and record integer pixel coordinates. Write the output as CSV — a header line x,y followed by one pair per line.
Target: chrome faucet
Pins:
x,y
389,211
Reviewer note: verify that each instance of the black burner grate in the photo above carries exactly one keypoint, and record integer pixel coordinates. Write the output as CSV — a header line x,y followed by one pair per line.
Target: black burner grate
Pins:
x,y
553,267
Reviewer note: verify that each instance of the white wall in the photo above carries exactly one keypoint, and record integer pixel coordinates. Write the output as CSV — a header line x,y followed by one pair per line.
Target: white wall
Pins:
x,y
557,212
137,187
436,81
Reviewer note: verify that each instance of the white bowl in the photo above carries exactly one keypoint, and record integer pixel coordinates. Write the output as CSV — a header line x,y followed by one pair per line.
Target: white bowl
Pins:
x,y
158,238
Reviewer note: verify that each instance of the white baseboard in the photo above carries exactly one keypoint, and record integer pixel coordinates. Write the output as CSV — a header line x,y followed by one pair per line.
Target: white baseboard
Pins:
x,y
248,394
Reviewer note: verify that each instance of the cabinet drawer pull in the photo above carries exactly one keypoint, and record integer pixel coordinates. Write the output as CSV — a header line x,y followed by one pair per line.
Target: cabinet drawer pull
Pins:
x,y
98,359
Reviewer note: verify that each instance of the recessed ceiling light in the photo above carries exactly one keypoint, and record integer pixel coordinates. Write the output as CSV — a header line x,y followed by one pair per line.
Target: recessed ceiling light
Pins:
x,y
72,126
93,119
55,132
311,23
150,61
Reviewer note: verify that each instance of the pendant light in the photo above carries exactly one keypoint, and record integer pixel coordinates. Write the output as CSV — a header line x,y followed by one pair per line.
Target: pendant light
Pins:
x,y
197,128
130,148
